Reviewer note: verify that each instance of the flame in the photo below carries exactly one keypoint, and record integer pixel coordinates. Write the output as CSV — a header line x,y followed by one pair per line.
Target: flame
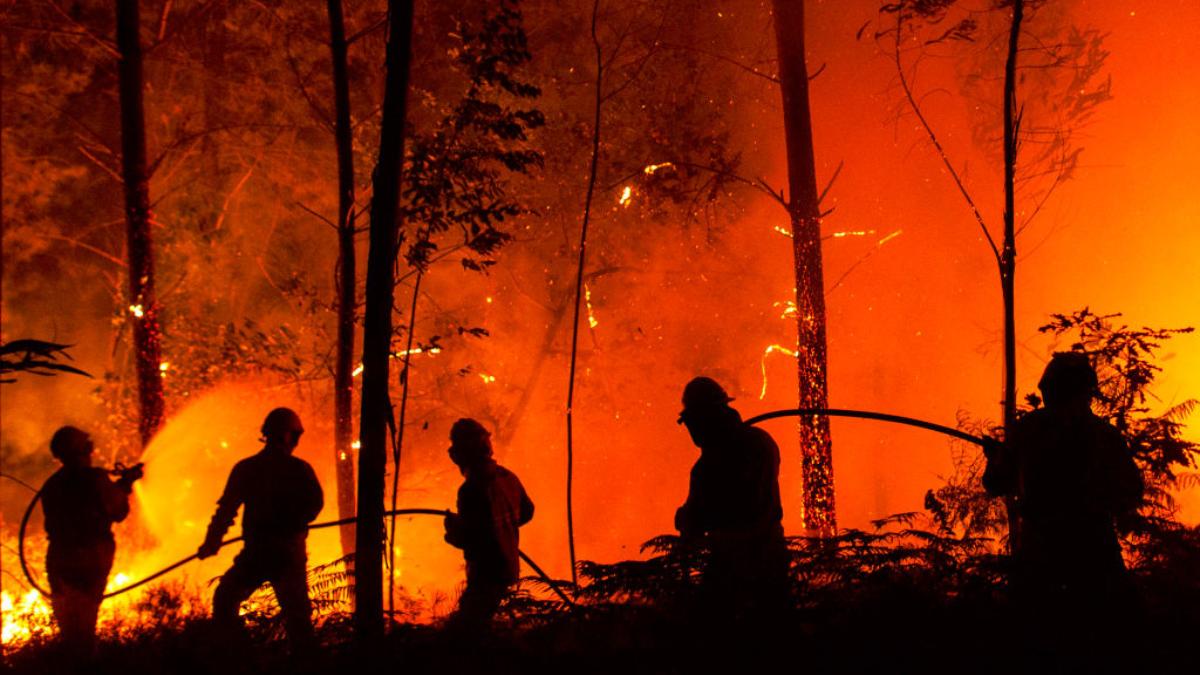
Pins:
x,y
23,618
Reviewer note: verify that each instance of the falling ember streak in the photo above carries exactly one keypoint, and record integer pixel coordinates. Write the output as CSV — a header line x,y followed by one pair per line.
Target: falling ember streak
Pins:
x,y
789,309
783,230
890,237
137,310
852,233
416,350
651,168
763,363
401,354
626,196
587,299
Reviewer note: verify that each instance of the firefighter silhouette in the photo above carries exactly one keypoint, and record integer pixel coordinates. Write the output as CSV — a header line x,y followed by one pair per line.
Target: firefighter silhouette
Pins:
x,y
1072,476
281,496
80,504
492,506
733,505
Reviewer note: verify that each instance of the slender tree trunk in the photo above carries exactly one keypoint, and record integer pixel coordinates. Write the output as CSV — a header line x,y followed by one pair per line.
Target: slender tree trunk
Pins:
x,y
820,515
1008,256
587,217
398,445
143,307
343,375
377,328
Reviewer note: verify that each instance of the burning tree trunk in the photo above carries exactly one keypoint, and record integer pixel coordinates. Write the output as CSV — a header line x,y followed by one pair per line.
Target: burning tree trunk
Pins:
x,y
142,304
377,327
804,210
343,376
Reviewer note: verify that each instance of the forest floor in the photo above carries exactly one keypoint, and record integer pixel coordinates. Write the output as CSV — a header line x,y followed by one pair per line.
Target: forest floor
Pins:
x,y
900,632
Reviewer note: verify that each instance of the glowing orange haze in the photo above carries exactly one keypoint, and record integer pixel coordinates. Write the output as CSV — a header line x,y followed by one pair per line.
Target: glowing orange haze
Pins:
x,y
914,330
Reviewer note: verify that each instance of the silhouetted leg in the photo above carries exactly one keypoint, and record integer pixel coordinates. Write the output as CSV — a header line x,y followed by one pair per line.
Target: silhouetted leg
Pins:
x,y
291,590
237,584
77,580
477,606
75,612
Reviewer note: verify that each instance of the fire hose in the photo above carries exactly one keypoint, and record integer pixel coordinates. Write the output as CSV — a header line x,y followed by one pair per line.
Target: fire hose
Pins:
x,y
797,412
869,415
316,526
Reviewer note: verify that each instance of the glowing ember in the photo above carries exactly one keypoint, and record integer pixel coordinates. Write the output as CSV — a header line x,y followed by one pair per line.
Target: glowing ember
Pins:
x,y
487,379
763,362
587,299
137,310
626,196
783,230
651,168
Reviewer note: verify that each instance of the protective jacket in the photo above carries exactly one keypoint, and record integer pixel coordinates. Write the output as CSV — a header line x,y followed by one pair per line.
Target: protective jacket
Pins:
x,y
734,486
281,494
1072,474
80,505
492,506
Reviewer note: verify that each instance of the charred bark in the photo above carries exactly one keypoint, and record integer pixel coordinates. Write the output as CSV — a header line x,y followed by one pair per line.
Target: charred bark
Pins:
x,y
343,374
804,211
143,306
376,411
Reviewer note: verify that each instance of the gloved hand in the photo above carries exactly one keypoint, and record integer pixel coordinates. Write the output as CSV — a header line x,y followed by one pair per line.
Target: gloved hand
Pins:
x,y
992,447
208,549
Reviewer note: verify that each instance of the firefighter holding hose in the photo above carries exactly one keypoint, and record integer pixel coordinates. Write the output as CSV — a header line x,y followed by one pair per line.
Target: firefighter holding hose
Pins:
x,y
1073,478
733,505
492,506
80,504
282,496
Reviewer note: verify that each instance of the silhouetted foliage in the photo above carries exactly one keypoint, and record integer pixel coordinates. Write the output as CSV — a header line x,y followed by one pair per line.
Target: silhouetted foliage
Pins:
x,y
35,357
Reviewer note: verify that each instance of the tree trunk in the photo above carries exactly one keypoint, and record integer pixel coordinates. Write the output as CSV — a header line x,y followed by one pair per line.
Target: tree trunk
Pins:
x,y
1008,256
343,375
143,307
377,328
819,513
